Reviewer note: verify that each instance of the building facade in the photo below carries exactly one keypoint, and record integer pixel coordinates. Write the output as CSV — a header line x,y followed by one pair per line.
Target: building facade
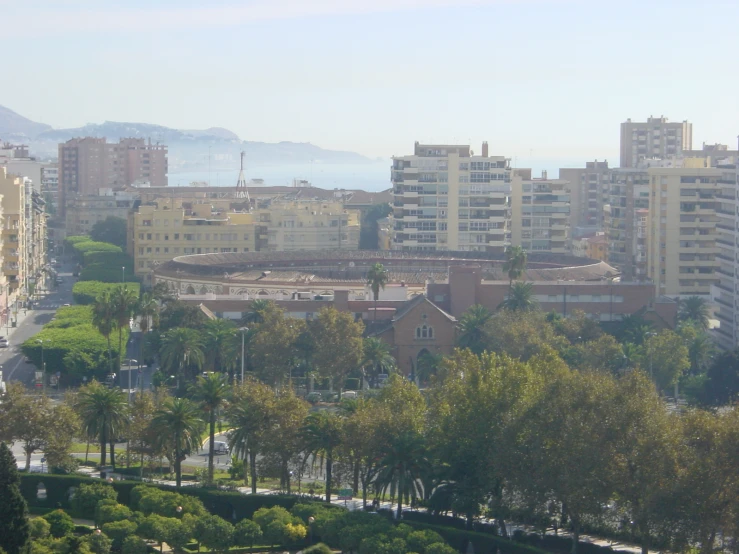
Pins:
x,y
587,192
682,248
15,261
540,213
85,211
654,138
446,198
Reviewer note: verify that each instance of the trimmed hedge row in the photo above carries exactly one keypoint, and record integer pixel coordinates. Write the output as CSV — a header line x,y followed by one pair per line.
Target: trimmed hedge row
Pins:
x,y
85,292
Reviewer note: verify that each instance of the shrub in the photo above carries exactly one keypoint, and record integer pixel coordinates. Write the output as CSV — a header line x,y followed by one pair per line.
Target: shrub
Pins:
x,y
74,239
39,527
119,530
60,524
246,533
134,545
319,548
419,541
151,500
85,292
99,543
264,516
83,247
108,512
88,495
481,542
214,532
440,548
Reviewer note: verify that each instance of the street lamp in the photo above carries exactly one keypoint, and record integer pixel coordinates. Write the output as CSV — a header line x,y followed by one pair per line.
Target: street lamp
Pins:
x,y
649,352
243,330
123,274
43,364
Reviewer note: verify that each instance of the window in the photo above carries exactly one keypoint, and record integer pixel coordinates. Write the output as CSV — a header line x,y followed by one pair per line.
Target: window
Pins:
x,y
176,236
148,236
424,332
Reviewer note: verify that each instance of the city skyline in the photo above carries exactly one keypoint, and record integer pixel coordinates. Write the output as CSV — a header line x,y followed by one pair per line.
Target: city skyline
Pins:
x,y
543,79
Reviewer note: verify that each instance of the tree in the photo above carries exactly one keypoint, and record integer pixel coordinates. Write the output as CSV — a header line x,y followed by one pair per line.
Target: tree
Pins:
x,y
214,532
403,467
322,432
99,543
257,309
520,298
61,428
250,414
376,359
88,495
515,264
700,346
182,352
14,530
667,358
284,439
25,418
103,318
377,278
471,328
339,346
178,424
634,329
124,306
695,309
210,392
104,413
147,311
722,380
521,334
246,533
178,314
112,230
134,545
272,349
62,525
221,343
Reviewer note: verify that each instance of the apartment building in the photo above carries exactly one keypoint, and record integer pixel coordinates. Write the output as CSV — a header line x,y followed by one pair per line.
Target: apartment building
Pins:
x,y
725,291
588,186
628,191
655,138
715,155
88,164
36,219
85,211
50,185
682,245
160,231
446,198
540,213
14,244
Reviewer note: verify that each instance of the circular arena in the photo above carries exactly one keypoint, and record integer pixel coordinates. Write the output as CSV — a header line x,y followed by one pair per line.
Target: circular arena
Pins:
x,y
280,275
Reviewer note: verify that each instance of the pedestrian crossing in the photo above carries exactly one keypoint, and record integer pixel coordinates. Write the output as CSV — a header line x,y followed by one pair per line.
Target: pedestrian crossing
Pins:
x,y
45,306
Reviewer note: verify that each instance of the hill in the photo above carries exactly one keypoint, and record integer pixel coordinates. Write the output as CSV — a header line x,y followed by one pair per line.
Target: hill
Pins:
x,y
15,127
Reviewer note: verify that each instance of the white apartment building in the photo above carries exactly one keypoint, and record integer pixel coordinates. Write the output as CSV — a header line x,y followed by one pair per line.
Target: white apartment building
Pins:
x,y
725,291
540,213
655,138
446,198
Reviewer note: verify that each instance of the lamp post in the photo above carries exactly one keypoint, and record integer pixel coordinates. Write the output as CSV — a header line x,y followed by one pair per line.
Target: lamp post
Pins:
x,y
243,330
43,365
649,352
123,274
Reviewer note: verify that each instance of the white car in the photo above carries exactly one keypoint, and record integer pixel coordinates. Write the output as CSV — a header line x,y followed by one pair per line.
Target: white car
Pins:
x,y
4,342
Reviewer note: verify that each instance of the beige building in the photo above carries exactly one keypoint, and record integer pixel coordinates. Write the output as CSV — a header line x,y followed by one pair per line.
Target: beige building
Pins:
x,y
588,186
682,245
160,231
655,138
88,164
14,245
540,213
85,211
446,198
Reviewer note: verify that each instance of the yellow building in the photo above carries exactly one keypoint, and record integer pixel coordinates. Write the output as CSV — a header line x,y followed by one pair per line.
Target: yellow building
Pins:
x,y
540,213
162,230
14,261
682,233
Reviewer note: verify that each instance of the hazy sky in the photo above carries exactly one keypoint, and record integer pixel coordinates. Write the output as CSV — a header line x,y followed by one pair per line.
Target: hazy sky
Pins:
x,y
548,78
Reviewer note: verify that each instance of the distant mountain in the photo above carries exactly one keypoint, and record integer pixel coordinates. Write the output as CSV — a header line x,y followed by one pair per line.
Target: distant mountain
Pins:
x,y
15,127
188,149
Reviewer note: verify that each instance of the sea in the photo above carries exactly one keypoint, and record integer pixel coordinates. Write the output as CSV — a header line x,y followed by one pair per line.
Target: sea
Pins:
x,y
370,176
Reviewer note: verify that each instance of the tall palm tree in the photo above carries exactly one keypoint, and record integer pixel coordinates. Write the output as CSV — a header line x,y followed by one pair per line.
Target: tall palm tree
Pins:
x,y
177,425
124,306
377,278
103,318
694,308
471,325
520,298
147,310
220,342
322,435
104,413
210,392
256,311
181,350
403,467
377,358
515,263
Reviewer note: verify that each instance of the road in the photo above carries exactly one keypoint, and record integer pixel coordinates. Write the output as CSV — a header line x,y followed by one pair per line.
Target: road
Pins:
x,y
30,323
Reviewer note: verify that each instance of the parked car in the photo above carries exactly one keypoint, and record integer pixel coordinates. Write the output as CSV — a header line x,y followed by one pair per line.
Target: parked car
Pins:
x,y
65,305
220,447
4,342
349,395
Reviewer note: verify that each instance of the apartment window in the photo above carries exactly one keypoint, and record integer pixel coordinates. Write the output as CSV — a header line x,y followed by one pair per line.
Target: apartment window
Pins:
x,y
156,250
464,166
177,250
246,237
148,250
157,236
141,236
246,249
148,236
166,250
166,237
176,236
141,251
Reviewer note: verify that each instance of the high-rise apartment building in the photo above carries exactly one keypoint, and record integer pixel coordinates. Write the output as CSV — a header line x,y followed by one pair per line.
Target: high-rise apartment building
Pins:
x,y
683,220
655,138
540,213
85,211
588,186
628,192
725,291
88,164
446,198
14,245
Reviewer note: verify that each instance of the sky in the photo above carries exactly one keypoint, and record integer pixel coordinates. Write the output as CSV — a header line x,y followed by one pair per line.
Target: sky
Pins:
x,y
550,79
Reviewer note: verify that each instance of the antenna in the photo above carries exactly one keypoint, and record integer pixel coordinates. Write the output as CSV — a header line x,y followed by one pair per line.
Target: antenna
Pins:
x,y
241,190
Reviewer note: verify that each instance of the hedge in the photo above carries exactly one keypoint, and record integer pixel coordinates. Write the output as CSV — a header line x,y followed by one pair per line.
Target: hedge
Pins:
x,y
94,246
482,542
96,272
85,292
74,239
108,258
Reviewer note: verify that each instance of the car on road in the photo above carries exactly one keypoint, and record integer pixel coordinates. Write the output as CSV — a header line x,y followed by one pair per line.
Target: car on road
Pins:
x,y
220,447
65,305
4,342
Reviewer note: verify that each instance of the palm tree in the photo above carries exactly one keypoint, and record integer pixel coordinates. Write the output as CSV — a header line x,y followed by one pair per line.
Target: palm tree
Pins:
x,y
256,312
220,343
322,433
377,359
520,298
403,468
177,426
427,365
124,306
210,392
104,413
471,326
103,318
377,277
631,354
694,308
147,310
633,328
181,350
515,263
